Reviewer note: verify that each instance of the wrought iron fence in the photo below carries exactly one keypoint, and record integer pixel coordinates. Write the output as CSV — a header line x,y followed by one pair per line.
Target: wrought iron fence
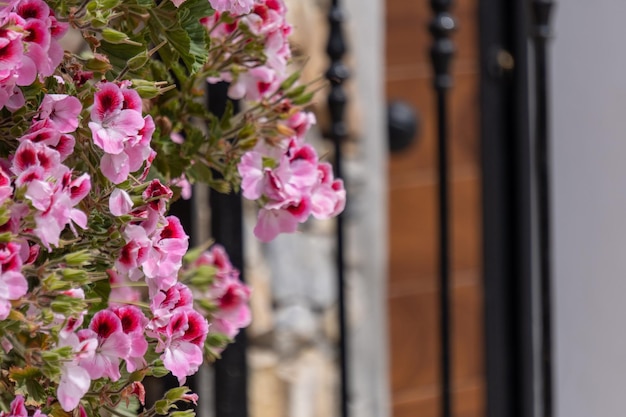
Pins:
x,y
512,181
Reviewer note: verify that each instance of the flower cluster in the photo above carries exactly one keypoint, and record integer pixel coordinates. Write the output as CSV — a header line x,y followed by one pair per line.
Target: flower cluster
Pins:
x,y
98,285
266,21
28,47
289,182
225,294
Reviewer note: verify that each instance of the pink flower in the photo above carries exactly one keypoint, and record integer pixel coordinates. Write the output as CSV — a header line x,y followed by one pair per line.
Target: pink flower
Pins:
x,y
301,122
329,196
254,84
273,221
62,110
111,124
165,259
217,257
46,132
236,7
120,202
164,303
233,311
182,342
252,174
185,186
120,130
13,284
33,9
156,195
135,252
75,380
18,409
133,325
113,345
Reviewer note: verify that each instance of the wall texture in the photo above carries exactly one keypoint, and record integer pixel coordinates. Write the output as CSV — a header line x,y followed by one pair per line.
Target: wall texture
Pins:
x,y
589,109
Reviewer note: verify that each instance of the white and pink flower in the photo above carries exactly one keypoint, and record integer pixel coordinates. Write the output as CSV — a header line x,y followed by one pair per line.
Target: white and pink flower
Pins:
x,y
120,130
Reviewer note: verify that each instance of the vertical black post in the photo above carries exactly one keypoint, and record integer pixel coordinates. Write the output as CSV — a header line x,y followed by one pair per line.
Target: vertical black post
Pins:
x,y
540,12
441,53
507,227
337,73
231,371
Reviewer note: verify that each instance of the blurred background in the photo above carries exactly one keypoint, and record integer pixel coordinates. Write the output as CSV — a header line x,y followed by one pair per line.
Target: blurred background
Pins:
x,y
515,349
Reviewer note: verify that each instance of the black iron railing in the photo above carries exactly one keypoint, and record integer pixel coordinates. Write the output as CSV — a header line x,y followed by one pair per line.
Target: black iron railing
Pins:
x,y
336,74
540,12
441,54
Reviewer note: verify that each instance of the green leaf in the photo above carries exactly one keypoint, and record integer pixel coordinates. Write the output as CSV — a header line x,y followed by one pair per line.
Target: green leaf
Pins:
x,y
200,172
290,81
187,38
120,54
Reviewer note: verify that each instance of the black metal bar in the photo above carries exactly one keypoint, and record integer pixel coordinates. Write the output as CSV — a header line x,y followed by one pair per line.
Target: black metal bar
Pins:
x,y
337,74
540,12
441,53
231,371
506,202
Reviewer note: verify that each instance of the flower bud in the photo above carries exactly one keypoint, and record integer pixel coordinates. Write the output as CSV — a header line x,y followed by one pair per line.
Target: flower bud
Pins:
x,y
114,36
77,258
76,275
138,61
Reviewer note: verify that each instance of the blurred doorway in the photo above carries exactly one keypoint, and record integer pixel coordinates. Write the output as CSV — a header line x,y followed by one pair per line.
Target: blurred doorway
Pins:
x,y
413,283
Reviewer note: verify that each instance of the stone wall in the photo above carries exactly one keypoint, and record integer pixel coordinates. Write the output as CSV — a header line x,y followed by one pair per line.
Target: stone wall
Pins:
x,y
293,338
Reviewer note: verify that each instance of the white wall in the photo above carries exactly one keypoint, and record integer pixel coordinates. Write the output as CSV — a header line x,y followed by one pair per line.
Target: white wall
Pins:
x,y
589,172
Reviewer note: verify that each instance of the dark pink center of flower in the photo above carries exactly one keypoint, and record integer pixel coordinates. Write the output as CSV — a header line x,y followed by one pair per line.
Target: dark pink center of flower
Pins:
x,y
305,153
129,322
107,101
8,51
230,298
44,160
273,4
26,157
261,10
105,323
196,332
178,323
299,209
31,10
263,87
126,254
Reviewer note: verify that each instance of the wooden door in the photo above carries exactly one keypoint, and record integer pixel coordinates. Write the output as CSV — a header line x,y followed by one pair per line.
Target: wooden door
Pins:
x,y
413,284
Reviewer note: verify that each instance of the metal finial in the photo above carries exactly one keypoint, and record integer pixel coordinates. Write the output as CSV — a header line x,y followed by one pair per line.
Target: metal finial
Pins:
x,y
441,27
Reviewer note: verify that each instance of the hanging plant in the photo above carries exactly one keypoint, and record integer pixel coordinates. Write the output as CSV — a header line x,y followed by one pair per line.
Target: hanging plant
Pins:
x,y
98,287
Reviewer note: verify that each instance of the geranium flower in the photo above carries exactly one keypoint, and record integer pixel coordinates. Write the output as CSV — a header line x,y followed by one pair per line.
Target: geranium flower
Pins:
x,y
75,380
181,343
113,345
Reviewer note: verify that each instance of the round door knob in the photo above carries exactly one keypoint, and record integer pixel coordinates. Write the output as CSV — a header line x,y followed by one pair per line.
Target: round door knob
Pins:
x,y
402,125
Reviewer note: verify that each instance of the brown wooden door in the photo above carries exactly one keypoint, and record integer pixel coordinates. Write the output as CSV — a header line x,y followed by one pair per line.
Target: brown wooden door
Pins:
x,y
413,284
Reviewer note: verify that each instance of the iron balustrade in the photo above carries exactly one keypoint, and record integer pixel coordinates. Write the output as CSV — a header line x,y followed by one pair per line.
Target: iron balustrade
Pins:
x,y
441,52
541,11
337,74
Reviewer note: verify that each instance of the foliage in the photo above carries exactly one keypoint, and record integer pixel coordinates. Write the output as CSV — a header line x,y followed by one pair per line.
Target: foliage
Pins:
x,y
98,287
